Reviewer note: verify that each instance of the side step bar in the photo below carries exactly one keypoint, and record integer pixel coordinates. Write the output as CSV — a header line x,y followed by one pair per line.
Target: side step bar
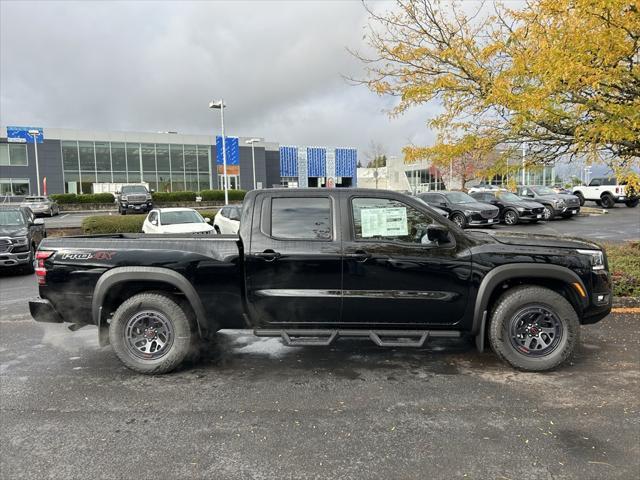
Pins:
x,y
382,338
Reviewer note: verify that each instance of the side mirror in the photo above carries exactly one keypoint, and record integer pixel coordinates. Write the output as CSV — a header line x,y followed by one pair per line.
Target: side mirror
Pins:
x,y
437,233
154,222
152,191
38,221
117,192
207,219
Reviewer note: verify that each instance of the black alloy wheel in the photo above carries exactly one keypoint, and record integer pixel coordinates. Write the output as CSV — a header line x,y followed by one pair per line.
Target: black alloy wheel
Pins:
x,y
511,217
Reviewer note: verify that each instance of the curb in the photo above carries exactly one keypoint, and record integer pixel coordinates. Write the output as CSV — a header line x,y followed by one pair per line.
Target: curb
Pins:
x,y
626,302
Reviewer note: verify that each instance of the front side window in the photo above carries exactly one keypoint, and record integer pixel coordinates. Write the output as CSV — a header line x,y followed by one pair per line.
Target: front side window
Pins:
x,y
386,219
301,218
459,197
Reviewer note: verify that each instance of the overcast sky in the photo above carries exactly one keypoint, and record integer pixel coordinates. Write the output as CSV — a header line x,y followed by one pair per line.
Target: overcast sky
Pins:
x,y
145,66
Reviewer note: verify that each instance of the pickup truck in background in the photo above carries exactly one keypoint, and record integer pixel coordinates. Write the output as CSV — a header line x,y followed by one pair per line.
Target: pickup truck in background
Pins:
x,y
606,192
310,266
134,199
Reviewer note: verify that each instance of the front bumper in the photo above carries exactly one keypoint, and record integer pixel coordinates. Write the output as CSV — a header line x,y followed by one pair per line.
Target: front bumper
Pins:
x,y
568,211
483,221
42,311
530,215
136,207
12,259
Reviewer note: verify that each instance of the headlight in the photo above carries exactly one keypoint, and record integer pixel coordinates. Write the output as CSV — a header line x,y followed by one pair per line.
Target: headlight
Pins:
x,y
520,209
597,258
560,203
468,212
123,198
20,240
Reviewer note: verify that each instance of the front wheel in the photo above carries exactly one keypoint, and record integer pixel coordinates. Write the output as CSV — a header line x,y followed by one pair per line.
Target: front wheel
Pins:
x,y
459,219
547,213
151,333
632,203
533,328
511,217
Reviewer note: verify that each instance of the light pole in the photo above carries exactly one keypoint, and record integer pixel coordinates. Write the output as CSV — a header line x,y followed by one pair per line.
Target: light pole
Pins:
x,y
35,133
251,141
219,104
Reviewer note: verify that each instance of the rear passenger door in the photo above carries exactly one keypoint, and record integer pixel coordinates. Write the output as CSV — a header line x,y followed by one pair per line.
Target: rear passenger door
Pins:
x,y
293,261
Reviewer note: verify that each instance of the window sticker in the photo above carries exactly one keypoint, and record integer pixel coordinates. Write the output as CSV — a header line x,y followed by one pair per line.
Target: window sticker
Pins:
x,y
384,222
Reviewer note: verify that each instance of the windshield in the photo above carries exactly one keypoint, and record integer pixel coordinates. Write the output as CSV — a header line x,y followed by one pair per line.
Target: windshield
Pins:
x,y
459,197
543,190
508,197
35,199
11,218
177,218
134,189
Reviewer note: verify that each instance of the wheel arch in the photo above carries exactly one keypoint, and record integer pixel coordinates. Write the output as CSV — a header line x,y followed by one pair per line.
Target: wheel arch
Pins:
x,y
136,280
502,278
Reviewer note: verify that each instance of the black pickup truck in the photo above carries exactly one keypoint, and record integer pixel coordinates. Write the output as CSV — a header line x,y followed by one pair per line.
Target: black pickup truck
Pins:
x,y
310,266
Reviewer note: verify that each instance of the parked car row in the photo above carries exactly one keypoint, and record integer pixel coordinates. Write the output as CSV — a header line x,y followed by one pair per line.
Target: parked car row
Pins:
x,y
490,206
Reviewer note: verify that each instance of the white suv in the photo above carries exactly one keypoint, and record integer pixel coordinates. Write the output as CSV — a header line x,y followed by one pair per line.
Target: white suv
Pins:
x,y
606,192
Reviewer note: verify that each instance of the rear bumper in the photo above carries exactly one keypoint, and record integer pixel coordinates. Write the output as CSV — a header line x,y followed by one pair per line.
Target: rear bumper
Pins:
x,y
42,311
14,259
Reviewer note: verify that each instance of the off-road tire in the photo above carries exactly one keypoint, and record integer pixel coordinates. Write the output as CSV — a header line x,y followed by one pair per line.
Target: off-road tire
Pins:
x,y
632,203
607,200
185,334
506,309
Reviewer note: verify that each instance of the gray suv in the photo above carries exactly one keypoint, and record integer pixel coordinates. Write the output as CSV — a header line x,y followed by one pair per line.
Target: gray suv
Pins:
x,y
555,204
41,206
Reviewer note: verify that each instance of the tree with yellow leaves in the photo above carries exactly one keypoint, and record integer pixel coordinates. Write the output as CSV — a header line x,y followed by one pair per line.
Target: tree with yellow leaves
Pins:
x,y
562,76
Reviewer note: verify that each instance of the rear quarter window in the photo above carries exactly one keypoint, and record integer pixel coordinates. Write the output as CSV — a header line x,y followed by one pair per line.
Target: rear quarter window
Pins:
x,y
301,218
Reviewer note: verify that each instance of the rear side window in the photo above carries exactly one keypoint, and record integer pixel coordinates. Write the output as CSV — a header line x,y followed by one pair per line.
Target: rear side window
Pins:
x,y
301,218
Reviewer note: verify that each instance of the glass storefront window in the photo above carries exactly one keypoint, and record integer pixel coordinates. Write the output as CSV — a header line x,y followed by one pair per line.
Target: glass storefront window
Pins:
x,y
118,157
70,155
134,176
203,181
203,158
149,158
103,157
120,177
192,182
133,159
177,160
190,158
14,186
87,159
104,177
4,154
17,155
162,157
164,182
177,184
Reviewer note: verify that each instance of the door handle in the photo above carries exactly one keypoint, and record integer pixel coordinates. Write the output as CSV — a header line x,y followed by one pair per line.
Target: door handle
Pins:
x,y
268,255
359,256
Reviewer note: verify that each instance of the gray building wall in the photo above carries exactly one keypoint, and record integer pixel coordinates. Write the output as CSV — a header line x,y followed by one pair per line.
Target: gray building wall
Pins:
x,y
49,161
246,168
272,166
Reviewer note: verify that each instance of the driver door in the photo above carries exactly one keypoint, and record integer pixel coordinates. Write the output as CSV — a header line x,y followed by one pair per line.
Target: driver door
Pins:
x,y
394,275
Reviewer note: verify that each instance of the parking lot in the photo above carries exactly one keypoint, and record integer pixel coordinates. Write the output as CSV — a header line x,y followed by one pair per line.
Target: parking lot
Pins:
x,y
253,408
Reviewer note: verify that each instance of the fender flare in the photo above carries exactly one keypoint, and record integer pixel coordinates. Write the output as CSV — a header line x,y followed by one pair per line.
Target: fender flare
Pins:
x,y
148,274
513,271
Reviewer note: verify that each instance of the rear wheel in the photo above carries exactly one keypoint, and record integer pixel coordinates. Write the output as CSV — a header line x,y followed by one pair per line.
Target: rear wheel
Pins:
x,y
459,219
151,333
511,217
580,198
533,328
632,203
607,200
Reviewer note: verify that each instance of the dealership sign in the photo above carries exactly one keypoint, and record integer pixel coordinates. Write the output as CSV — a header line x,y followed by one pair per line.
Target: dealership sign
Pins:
x,y
22,135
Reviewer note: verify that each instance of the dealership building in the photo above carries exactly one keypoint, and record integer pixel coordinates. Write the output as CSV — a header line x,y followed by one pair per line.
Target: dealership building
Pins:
x,y
73,161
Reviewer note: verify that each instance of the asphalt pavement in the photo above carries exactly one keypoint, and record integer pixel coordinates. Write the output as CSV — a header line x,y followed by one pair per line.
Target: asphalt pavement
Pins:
x,y
255,409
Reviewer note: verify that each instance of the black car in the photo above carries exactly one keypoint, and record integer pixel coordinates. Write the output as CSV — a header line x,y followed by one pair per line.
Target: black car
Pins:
x,y
513,209
134,199
555,204
310,266
463,209
20,235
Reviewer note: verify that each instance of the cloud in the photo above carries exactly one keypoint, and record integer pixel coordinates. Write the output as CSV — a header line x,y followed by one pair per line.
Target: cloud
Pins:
x,y
148,66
